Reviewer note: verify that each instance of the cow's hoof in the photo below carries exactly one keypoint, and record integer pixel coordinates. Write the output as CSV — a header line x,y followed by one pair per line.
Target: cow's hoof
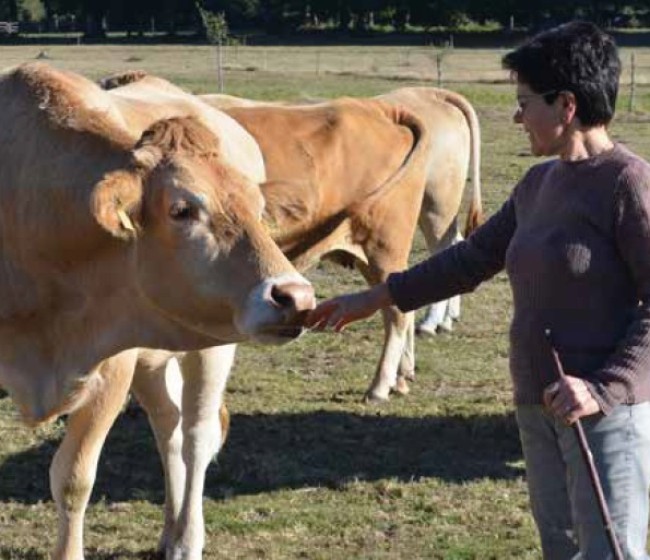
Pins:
x,y
401,387
447,324
408,375
182,553
375,397
426,330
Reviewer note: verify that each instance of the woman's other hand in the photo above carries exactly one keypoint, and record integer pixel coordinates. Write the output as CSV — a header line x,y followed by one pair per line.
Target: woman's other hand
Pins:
x,y
569,399
337,312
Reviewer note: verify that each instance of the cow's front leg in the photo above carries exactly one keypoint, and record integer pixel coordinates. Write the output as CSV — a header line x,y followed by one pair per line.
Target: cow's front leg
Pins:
x,y
395,334
73,469
158,386
205,375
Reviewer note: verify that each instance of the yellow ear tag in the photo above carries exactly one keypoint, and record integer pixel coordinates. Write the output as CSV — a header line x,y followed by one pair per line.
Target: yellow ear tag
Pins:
x,y
125,220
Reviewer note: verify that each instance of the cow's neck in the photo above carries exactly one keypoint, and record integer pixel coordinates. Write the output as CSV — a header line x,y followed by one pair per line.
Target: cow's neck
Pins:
x,y
50,351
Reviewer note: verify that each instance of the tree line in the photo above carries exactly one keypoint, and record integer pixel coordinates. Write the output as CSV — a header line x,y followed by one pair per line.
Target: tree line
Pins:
x,y
94,17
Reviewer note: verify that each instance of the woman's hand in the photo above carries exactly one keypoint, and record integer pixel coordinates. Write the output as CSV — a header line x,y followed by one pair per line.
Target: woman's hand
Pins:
x,y
570,399
339,311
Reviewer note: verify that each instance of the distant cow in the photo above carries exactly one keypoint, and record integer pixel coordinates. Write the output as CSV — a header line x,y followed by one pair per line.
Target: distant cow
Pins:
x,y
111,238
346,179
316,152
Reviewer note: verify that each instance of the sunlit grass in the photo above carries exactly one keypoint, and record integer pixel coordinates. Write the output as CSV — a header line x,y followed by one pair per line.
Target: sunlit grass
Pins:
x,y
309,471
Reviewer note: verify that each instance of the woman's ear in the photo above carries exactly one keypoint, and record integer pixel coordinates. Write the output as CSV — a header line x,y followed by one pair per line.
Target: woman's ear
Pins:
x,y
568,106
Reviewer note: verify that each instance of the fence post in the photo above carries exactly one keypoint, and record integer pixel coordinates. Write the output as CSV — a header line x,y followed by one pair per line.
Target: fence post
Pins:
x,y
439,57
220,66
630,107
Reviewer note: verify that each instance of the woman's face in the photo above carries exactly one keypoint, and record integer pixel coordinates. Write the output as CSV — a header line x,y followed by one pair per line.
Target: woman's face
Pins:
x,y
542,122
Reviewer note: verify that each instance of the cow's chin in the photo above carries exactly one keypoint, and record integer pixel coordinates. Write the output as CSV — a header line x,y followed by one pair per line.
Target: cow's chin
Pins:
x,y
269,326
264,334
214,335
277,334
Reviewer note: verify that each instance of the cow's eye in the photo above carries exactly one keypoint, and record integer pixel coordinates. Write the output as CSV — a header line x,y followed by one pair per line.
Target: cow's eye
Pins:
x,y
182,210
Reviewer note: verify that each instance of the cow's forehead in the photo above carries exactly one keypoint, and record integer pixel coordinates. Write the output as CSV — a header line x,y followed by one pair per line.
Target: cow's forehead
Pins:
x,y
211,183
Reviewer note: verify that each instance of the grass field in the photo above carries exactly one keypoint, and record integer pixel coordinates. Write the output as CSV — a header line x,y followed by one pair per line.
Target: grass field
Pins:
x,y
309,472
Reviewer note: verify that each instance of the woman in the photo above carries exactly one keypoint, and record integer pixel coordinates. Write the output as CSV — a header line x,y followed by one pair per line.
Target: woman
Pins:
x,y
574,238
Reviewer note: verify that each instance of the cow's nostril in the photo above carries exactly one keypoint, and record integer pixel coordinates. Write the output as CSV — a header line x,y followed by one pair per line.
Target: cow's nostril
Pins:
x,y
293,296
281,296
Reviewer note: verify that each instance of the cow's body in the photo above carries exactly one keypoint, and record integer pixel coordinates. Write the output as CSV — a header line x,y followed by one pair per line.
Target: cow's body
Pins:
x,y
114,237
348,179
326,164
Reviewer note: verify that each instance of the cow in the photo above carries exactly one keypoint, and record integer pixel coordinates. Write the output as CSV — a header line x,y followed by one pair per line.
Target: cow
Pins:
x,y
114,238
442,182
450,129
315,205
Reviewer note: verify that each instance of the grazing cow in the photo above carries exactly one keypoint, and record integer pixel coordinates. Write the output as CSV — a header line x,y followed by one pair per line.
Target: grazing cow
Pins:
x,y
112,238
347,179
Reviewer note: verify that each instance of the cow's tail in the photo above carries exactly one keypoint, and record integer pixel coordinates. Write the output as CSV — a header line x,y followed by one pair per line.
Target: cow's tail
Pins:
x,y
475,212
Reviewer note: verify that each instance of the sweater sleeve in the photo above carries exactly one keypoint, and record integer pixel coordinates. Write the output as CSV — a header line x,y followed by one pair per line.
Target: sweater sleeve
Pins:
x,y
629,365
458,269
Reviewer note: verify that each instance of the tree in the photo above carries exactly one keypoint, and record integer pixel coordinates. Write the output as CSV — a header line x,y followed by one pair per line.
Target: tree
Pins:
x,y
238,12
9,10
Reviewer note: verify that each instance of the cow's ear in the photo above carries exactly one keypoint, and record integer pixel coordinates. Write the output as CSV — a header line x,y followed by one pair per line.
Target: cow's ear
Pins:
x,y
116,203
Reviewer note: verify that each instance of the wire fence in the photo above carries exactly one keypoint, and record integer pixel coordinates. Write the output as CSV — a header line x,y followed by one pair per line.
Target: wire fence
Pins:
x,y
446,67
426,63
416,63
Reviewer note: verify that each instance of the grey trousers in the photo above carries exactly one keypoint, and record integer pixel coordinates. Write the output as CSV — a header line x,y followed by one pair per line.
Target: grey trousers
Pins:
x,y
561,494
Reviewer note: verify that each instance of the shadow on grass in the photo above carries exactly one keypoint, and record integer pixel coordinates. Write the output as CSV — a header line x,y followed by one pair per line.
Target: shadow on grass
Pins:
x,y
11,553
268,452
275,451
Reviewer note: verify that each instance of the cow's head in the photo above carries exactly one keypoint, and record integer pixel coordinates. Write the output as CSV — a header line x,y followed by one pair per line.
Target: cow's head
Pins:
x,y
202,257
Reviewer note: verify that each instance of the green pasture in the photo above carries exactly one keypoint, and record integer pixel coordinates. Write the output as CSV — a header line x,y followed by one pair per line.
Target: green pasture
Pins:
x,y
309,472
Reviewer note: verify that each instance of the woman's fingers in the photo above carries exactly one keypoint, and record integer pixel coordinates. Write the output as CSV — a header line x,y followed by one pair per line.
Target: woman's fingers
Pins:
x,y
319,318
569,399
338,312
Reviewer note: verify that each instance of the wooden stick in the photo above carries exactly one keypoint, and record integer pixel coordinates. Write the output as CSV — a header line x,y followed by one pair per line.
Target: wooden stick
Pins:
x,y
589,461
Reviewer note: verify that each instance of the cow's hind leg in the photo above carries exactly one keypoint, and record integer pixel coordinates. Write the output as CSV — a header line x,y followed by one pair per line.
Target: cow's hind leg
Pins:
x,y
396,327
406,371
440,315
73,469
385,380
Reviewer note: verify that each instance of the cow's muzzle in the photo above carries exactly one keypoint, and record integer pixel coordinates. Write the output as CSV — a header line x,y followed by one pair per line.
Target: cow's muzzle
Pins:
x,y
277,309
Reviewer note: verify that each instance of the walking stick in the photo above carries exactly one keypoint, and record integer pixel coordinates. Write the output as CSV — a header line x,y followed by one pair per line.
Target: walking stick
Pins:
x,y
589,461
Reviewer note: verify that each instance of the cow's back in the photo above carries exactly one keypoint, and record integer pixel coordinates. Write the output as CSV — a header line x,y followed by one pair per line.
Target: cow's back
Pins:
x,y
342,150
146,99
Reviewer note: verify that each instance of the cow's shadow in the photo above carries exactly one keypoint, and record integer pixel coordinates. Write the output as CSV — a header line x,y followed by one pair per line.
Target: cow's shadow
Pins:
x,y
267,452
11,553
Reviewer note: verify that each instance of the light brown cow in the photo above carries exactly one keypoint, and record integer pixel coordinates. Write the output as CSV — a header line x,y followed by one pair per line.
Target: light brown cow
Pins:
x,y
446,174
346,179
300,157
113,238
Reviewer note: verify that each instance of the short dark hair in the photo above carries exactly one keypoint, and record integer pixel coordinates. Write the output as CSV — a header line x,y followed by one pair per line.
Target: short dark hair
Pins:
x,y
577,57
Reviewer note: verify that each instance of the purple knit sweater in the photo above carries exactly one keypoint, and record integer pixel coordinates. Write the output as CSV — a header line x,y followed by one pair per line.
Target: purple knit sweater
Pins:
x,y
574,238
